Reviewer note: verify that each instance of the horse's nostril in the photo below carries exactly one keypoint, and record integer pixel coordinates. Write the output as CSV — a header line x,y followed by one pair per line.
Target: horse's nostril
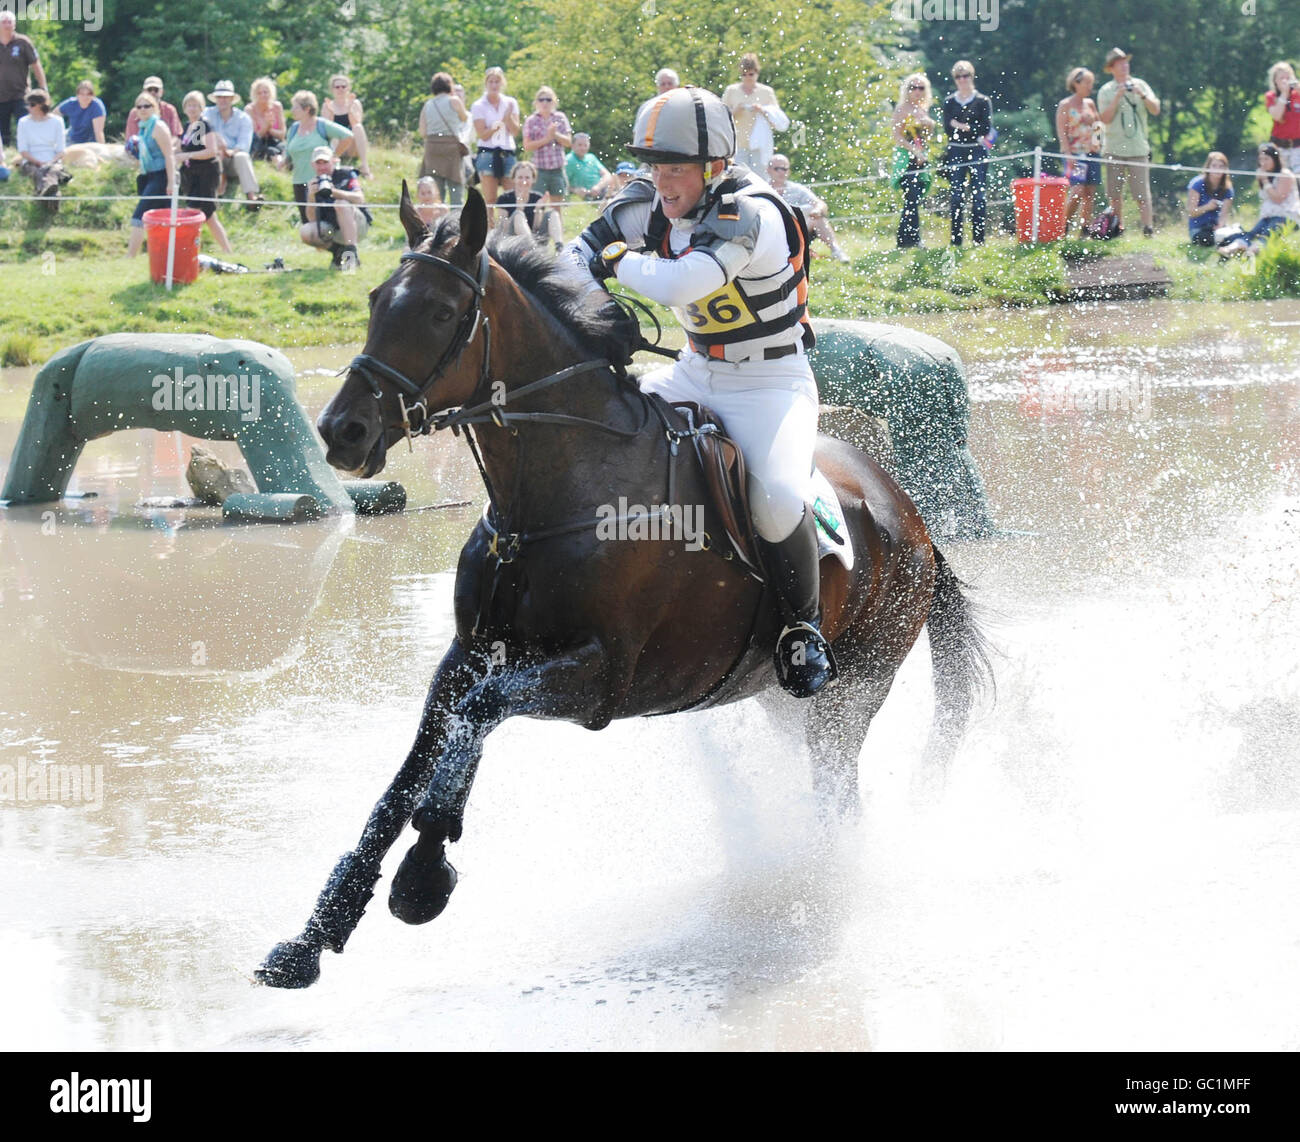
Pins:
x,y
353,433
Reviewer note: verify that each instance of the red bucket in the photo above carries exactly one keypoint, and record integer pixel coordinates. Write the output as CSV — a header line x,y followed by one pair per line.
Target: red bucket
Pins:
x,y
185,263
1051,207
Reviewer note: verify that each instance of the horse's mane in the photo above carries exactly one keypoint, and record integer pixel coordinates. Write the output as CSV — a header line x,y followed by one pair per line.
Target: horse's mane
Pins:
x,y
540,274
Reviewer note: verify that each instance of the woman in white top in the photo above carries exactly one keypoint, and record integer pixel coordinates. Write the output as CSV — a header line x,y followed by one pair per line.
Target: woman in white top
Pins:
x,y
442,119
757,114
1279,202
496,123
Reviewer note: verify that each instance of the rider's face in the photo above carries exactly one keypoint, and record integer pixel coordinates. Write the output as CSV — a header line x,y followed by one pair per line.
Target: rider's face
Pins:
x,y
680,186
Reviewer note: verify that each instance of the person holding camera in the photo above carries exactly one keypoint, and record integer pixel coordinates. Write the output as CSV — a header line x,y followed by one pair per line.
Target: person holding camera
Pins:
x,y
1209,200
1123,105
1283,103
336,218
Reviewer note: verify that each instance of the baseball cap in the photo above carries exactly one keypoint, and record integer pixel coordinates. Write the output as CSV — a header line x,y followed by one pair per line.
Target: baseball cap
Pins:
x,y
151,81
322,153
626,168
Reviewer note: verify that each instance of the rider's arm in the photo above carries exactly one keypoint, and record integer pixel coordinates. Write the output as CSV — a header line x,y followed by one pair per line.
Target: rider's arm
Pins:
x,y
680,281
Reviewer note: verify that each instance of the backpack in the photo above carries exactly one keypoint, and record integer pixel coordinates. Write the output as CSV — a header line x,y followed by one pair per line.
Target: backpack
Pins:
x,y
1104,227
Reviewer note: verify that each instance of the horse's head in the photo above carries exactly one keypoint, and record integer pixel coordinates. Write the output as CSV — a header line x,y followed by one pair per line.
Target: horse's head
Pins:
x,y
422,319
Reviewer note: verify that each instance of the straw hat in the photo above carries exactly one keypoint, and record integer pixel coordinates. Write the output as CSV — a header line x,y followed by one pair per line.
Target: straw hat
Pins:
x,y
224,87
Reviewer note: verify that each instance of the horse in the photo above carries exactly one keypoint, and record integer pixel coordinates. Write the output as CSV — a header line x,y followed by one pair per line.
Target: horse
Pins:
x,y
554,620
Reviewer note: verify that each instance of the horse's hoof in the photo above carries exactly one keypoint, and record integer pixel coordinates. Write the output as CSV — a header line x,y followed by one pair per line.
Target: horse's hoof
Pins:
x,y
422,886
294,963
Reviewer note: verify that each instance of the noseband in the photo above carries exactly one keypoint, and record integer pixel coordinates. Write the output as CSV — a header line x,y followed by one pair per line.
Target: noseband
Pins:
x,y
370,369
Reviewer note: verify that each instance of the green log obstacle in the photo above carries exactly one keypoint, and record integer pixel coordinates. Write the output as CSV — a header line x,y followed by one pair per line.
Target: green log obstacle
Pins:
x,y
193,383
916,384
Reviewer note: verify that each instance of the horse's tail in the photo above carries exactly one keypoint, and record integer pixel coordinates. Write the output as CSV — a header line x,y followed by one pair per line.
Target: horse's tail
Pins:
x,y
960,657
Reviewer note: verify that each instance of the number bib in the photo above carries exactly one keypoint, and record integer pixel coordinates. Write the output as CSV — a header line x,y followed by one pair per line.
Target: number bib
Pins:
x,y
723,311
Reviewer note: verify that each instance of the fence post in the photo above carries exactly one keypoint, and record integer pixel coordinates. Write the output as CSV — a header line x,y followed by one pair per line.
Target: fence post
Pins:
x,y
171,233
1038,170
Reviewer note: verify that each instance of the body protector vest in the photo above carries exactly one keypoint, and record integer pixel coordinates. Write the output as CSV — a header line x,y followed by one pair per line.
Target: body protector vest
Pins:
x,y
746,309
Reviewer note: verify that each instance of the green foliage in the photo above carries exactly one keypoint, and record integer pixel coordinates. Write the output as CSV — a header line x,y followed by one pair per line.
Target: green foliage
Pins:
x,y
19,349
823,59
1275,271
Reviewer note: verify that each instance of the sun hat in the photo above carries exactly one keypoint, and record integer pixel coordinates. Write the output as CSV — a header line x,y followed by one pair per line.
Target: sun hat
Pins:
x,y
224,87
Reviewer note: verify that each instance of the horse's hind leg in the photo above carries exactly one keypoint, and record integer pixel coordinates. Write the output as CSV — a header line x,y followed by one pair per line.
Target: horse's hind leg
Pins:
x,y
837,722
571,688
296,963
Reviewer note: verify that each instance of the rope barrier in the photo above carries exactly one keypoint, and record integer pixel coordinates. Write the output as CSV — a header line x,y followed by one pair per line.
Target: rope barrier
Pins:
x,y
858,180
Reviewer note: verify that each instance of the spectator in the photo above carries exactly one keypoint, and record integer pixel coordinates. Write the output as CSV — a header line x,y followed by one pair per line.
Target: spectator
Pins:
x,y
522,211
153,86
344,109
307,132
1078,131
234,130
157,178
588,177
18,56
753,106
336,219
1209,199
496,122
1123,105
624,173
546,136
796,194
468,136
913,130
968,122
267,114
4,170
442,119
428,202
84,115
1283,103
1279,201
666,79
41,143
200,162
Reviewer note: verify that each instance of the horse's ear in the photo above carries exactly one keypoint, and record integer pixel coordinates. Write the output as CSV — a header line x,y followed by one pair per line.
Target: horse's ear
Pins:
x,y
473,223
416,230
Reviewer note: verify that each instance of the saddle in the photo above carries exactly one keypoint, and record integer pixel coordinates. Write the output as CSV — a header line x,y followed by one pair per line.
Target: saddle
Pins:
x,y
723,467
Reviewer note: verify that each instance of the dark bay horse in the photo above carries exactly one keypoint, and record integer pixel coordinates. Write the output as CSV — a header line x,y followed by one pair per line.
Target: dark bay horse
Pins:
x,y
556,620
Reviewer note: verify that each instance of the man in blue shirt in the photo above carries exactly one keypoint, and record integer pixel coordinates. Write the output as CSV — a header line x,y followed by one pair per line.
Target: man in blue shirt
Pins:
x,y
84,115
235,131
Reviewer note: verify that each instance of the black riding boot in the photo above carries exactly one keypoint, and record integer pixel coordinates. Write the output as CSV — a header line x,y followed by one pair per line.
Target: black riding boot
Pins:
x,y
804,661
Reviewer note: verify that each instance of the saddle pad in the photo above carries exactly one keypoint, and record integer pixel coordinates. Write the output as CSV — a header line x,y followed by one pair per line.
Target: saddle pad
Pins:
x,y
826,506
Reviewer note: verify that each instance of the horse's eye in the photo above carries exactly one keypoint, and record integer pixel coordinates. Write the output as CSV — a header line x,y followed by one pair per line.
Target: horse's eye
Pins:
x,y
443,313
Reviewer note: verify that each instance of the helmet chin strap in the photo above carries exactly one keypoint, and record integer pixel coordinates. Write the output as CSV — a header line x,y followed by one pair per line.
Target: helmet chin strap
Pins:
x,y
712,182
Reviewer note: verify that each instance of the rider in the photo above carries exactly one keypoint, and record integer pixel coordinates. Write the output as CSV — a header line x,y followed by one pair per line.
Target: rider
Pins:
x,y
713,242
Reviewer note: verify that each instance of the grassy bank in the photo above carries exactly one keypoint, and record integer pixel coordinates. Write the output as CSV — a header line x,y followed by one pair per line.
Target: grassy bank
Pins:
x,y
64,278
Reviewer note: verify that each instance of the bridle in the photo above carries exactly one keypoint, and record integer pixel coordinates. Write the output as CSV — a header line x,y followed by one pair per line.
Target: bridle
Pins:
x,y
370,369
506,544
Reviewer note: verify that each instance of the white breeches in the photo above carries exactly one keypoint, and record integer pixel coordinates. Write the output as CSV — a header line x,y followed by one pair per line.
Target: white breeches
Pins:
x,y
769,408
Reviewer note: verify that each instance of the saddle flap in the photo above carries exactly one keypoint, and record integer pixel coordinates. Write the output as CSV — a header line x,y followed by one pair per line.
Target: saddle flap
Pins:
x,y
723,466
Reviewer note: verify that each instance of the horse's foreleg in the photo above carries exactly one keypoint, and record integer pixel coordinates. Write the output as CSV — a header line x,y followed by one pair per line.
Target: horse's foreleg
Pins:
x,y
296,963
569,688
